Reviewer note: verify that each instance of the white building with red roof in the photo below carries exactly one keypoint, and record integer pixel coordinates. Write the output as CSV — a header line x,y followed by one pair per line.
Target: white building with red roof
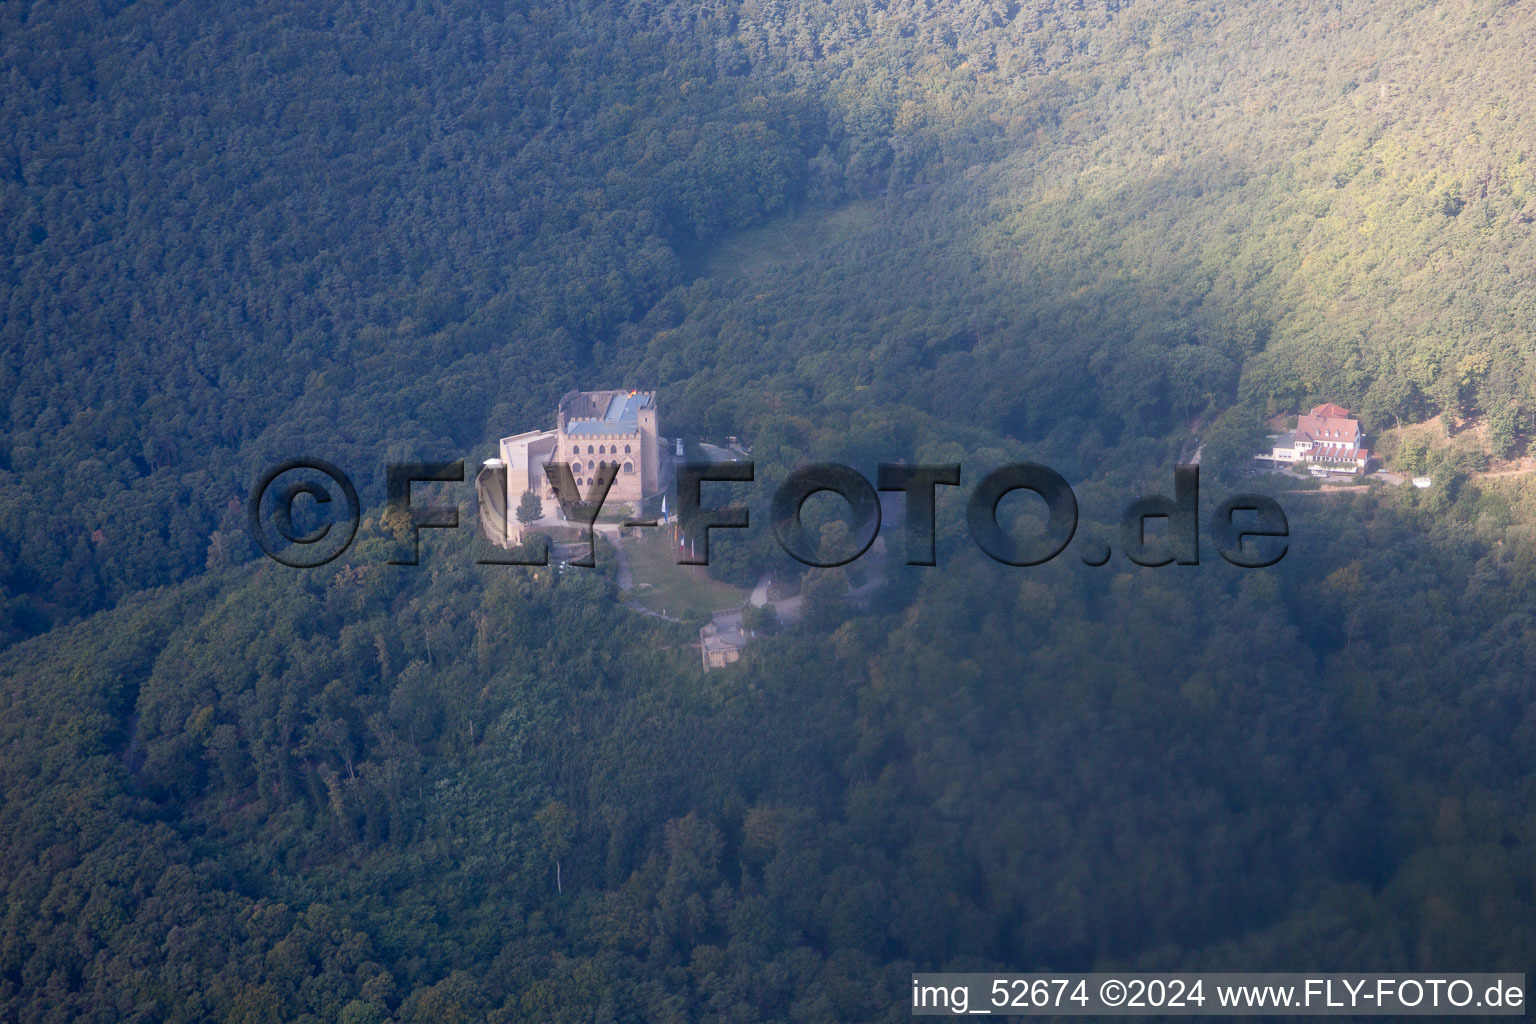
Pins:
x,y
1326,440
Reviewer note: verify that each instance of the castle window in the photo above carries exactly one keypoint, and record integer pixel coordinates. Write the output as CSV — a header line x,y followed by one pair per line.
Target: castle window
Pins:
x,y
589,449
629,467
576,468
626,449
600,450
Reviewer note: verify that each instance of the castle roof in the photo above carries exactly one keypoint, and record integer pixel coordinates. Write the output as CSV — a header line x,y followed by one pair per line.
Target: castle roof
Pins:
x,y
617,412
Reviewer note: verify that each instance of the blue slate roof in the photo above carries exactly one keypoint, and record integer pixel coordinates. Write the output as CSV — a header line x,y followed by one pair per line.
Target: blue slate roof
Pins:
x,y
621,417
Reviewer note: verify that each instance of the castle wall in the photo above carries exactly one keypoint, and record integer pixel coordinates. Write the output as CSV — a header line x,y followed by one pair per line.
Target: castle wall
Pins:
x,y
586,445
625,450
630,442
524,455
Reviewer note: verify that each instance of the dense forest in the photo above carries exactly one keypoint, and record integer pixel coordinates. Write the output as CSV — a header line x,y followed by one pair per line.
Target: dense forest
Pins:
x,y
358,235
1087,234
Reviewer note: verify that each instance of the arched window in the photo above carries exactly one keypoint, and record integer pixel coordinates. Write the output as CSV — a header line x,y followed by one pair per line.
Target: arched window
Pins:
x,y
629,467
626,449
589,449
601,450
576,467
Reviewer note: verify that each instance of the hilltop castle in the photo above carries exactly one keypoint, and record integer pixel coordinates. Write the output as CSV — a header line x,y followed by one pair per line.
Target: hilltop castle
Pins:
x,y
593,430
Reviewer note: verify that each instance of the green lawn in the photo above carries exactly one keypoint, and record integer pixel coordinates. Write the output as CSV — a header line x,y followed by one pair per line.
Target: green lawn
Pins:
x,y
675,589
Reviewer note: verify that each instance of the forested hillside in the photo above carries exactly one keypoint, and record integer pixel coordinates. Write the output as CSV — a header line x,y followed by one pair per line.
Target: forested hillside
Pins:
x,y
474,793
1081,233
247,234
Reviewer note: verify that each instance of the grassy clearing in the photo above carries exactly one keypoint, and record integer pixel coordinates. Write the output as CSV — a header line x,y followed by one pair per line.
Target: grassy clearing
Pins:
x,y
1469,439
664,586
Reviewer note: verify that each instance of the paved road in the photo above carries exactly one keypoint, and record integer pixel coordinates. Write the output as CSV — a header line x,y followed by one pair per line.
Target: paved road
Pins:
x,y
626,577
719,454
787,608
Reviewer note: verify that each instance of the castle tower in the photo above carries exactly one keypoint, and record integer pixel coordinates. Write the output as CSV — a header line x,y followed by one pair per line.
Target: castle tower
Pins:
x,y
649,454
598,429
